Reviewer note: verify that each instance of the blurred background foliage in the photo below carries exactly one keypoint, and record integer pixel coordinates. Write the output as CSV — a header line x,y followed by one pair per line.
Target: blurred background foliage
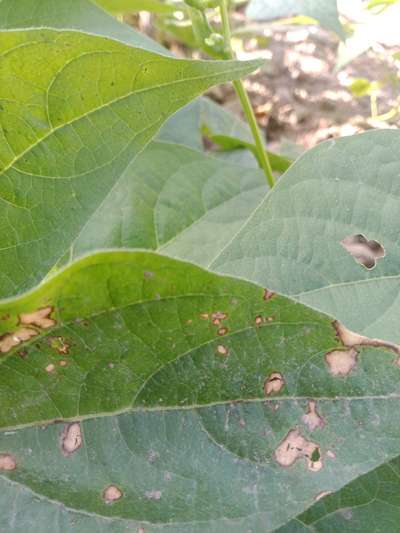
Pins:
x,y
332,68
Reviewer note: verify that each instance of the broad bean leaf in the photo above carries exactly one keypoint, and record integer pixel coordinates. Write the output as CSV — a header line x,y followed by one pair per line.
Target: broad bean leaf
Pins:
x,y
193,447
82,110
137,332
174,200
60,14
185,126
324,11
369,503
292,242
140,329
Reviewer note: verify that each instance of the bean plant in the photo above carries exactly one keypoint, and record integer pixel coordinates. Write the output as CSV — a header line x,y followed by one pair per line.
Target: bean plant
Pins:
x,y
190,341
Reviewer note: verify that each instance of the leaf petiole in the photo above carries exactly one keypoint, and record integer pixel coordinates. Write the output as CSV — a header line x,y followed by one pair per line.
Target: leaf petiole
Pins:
x,y
244,99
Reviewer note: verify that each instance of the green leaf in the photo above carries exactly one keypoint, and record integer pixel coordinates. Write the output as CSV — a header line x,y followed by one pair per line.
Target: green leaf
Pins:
x,y
84,16
132,6
67,141
174,200
369,503
136,332
325,11
182,30
128,322
228,143
292,243
206,477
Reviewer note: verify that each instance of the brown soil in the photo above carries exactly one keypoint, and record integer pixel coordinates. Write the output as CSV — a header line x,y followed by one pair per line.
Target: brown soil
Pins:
x,y
299,96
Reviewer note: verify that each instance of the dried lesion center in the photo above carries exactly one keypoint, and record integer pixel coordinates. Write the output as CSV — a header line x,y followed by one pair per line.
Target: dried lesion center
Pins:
x,y
29,325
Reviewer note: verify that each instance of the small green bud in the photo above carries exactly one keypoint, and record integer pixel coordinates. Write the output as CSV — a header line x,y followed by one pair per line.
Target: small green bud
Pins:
x,y
214,39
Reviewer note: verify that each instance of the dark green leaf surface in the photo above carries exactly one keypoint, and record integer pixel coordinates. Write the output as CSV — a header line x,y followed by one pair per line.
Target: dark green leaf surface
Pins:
x,y
227,143
138,330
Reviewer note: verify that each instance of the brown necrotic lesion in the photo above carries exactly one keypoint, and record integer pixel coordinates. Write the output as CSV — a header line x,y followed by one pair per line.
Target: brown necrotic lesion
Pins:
x,y
29,325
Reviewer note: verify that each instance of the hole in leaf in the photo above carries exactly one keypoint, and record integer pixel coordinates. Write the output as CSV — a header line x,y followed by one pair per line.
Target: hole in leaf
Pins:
x,y
365,252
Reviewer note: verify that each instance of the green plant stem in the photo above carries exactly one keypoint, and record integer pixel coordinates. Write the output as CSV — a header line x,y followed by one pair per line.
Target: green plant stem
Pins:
x,y
244,99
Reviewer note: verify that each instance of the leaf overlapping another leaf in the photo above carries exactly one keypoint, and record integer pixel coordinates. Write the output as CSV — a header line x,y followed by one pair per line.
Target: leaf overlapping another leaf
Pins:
x,y
70,129
180,353
292,242
140,333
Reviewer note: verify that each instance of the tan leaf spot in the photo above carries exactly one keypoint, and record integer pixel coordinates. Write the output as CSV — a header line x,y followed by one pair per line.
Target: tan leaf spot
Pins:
x,y
10,340
341,362
259,320
312,419
40,318
219,315
112,494
294,446
351,339
322,494
273,383
222,350
71,439
268,294
7,462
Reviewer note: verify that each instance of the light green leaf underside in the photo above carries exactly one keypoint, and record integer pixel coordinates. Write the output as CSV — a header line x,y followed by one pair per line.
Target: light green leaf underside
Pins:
x,y
325,11
292,242
370,503
70,128
82,15
174,200
202,470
